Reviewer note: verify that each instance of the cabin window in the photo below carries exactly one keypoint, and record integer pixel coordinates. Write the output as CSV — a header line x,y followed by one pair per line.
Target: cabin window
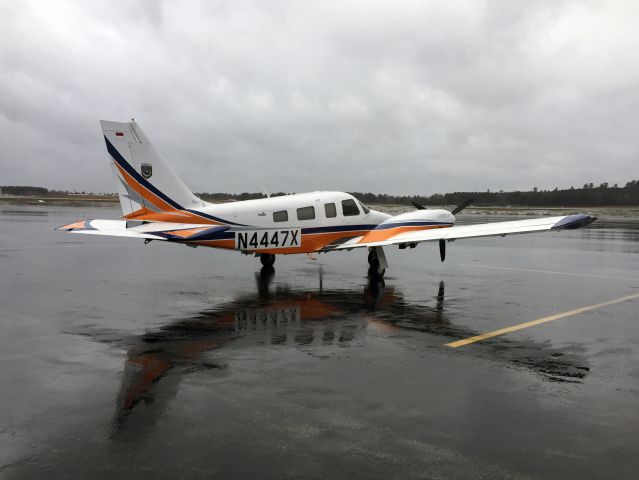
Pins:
x,y
306,213
330,210
281,216
349,208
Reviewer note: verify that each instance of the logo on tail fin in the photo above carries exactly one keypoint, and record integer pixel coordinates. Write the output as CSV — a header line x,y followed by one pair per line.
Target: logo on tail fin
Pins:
x,y
146,170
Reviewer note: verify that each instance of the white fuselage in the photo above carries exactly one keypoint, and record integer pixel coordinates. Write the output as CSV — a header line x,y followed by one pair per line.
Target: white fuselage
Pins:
x,y
260,212
312,221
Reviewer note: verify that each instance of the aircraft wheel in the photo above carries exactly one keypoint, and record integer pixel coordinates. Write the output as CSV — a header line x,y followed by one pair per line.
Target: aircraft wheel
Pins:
x,y
267,259
376,286
375,274
373,261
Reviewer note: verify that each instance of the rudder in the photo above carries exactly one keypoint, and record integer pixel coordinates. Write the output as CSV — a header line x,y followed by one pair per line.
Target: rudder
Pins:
x,y
147,185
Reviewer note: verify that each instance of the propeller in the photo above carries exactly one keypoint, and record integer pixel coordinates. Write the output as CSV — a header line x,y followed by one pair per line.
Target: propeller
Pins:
x,y
456,210
461,206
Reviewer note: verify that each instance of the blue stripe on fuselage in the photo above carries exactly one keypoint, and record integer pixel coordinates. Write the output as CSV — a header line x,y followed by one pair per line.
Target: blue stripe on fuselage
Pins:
x,y
386,226
337,228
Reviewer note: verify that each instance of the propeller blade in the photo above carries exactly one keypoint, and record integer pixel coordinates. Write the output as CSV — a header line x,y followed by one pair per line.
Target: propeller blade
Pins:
x,y
442,249
418,206
461,206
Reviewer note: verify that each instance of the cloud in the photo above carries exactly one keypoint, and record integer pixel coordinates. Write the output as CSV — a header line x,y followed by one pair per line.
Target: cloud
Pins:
x,y
396,97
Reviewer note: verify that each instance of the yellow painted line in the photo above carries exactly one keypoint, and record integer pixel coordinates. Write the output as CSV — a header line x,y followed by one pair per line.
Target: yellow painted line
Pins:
x,y
591,275
521,326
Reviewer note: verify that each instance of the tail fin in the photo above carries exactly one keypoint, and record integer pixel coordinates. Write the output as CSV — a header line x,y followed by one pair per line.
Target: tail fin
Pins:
x,y
147,186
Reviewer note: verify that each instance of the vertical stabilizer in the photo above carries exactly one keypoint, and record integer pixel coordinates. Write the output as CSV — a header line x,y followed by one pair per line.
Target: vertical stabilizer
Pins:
x,y
146,182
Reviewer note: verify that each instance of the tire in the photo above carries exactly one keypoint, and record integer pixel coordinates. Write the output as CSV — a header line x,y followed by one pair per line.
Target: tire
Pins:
x,y
267,259
373,261
375,274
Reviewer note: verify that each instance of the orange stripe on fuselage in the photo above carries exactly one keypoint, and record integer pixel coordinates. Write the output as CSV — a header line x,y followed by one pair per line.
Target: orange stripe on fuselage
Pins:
x,y
227,244
314,242
311,242
381,235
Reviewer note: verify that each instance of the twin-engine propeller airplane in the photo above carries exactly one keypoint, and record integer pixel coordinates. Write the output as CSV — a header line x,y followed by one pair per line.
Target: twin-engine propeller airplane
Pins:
x,y
157,205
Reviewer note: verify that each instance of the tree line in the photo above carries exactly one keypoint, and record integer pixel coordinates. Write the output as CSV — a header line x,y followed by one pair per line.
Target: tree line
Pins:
x,y
30,191
588,195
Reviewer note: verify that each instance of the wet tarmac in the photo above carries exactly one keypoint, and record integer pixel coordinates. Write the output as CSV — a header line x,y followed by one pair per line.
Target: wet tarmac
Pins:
x,y
119,359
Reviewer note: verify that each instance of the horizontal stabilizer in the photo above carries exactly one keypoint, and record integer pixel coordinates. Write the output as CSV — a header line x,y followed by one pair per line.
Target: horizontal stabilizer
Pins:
x,y
113,228
145,230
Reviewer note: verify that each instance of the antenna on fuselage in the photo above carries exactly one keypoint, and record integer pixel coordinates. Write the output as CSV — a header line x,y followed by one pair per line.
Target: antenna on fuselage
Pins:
x,y
264,191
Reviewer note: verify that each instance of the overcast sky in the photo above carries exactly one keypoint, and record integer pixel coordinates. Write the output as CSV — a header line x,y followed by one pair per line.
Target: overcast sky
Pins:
x,y
396,97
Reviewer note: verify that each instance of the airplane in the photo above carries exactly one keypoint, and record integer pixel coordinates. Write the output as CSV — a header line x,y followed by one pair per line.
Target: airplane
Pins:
x,y
157,205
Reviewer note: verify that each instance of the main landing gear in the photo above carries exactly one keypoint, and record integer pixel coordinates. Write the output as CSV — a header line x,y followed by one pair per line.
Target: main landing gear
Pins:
x,y
377,262
267,259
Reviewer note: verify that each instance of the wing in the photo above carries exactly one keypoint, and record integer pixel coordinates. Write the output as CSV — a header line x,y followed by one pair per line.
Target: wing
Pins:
x,y
180,232
477,230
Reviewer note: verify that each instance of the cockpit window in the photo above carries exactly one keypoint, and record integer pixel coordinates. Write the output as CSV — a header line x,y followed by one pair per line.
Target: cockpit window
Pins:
x,y
349,208
365,208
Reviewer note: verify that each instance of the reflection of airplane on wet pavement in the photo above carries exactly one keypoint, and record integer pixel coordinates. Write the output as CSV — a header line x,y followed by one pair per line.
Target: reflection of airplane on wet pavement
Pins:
x,y
301,319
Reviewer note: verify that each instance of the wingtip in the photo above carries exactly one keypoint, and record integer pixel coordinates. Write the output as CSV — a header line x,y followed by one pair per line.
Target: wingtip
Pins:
x,y
572,222
81,225
65,228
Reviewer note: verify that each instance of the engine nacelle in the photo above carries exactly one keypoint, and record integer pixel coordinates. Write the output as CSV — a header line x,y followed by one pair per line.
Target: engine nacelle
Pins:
x,y
408,222
417,218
